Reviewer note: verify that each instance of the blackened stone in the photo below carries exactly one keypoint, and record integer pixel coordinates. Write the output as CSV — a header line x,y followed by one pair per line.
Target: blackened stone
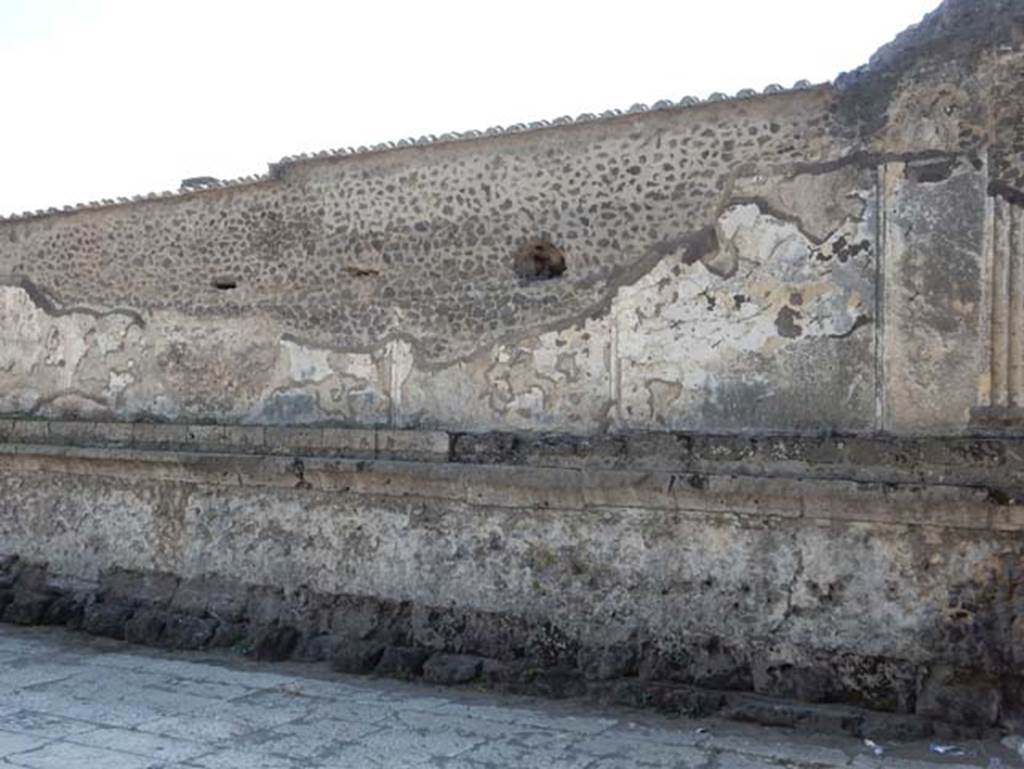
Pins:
x,y
486,448
275,643
716,667
960,697
228,634
28,608
556,683
510,675
32,579
6,599
401,662
185,631
221,598
265,606
616,661
895,727
532,676
317,648
662,665
876,683
145,627
359,657
152,588
630,692
551,645
65,610
106,619
356,617
690,701
790,681
452,668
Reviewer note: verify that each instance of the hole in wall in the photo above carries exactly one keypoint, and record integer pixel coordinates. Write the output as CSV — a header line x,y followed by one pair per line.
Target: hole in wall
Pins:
x,y
930,171
224,284
539,259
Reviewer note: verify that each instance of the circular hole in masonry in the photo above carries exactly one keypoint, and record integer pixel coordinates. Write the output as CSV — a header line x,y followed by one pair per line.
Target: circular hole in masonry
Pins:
x,y
539,259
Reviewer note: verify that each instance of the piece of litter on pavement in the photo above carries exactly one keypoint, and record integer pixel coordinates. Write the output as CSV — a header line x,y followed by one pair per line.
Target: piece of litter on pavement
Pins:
x,y
702,730
946,750
875,747
1014,742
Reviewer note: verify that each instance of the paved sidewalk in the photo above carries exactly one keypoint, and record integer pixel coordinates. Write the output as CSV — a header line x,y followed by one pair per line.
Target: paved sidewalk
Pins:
x,y
68,700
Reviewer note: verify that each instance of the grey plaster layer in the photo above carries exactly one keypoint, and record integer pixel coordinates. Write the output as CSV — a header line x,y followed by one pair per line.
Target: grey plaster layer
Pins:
x,y
67,702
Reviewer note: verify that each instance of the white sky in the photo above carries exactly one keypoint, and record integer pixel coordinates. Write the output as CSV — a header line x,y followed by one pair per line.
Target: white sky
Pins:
x,y
103,98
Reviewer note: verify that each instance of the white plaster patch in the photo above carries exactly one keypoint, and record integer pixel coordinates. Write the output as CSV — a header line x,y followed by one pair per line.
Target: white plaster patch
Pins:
x,y
306,364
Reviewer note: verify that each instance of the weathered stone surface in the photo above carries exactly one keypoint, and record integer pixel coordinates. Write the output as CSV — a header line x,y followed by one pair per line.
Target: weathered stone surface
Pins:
x,y
146,626
961,697
401,662
614,661
218,596
186,631
678,406
143,587
275,643
768,244
452,668
318,648
65,610
358,657
228,634
106,619
27,608
535,583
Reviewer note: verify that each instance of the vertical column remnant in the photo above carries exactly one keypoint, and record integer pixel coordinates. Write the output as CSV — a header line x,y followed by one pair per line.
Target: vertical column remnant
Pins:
x,y
1005,402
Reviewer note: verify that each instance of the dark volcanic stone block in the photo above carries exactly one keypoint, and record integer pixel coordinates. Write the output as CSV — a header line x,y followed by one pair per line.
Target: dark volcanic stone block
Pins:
x,y
145,627
126,586
65,610
960,697
615,661
28,608
452,668
106,619
228,634
6,599
317,648
276,643
401,662
359,657
185,631
556,683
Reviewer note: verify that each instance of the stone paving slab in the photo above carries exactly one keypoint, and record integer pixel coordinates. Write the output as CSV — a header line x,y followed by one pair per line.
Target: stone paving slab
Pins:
x,y
68,700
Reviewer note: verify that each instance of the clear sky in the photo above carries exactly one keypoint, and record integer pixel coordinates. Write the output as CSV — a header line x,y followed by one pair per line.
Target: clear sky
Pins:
x,y
103,98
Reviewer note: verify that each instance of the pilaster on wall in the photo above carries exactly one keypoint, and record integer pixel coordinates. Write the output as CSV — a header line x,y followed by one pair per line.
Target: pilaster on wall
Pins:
x,y
1001,391
933,323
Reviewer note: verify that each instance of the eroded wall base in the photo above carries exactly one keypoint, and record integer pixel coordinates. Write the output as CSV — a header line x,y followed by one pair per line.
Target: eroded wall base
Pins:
x,y
811,572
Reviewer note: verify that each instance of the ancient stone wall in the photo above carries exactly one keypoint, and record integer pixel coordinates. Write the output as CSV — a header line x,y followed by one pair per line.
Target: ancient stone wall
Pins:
x,y
825,259
867,574
677,405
